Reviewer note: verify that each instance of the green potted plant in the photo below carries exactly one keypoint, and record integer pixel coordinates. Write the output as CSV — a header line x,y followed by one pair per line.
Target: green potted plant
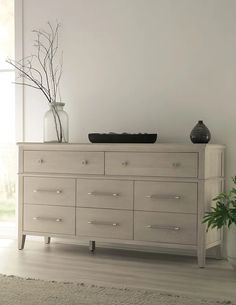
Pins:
x,y
223,214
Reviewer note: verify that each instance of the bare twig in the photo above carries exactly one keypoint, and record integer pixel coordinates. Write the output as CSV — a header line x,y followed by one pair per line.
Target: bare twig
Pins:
x,y
24,74
40,71
25,84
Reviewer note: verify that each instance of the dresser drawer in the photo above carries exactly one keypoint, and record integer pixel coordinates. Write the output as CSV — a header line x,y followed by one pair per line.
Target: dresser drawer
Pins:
x,y
53,191
152,164
165,227
104,223
176,197
114,194
64,162
49,219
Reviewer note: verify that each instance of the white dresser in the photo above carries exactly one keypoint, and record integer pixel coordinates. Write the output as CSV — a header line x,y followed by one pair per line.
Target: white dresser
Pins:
x,y
146,194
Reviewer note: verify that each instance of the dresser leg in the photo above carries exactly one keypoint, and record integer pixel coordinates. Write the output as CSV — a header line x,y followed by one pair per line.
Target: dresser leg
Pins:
x,y
201,257
47,240
92,245
21,242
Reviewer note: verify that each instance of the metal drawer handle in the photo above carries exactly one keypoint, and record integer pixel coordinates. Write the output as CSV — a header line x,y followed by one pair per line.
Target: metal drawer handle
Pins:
x,y
47,191
176,164
103,223
103,194
84,162
40,161
48,219
124,163
171,228
169,197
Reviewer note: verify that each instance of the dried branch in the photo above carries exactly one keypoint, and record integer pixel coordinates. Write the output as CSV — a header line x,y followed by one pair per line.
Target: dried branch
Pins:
x,y
39,68
40,71
25,84
24,74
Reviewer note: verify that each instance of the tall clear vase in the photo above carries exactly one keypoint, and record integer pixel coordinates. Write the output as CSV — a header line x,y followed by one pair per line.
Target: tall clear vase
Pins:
x,y
56,124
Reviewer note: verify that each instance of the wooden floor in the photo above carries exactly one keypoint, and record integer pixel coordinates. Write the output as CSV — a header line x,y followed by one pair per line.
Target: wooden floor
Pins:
x,y
63,262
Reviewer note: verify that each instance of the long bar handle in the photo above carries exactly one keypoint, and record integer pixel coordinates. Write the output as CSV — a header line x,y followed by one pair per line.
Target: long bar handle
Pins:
x,y
171,228
48,219
105,223
103,194
169,197
47,191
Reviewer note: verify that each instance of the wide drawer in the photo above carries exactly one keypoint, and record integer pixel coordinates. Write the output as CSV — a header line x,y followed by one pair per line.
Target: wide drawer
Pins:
x,y
49,219
165,227
53,191
152,164
64,162
104,223
176,197
114,194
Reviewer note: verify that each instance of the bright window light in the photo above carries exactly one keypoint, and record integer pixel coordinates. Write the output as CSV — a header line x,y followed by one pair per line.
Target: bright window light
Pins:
x,y
7,120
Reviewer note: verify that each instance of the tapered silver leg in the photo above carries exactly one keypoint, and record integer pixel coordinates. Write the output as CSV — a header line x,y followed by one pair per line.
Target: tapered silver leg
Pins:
x,y
21,242
92,245
47,240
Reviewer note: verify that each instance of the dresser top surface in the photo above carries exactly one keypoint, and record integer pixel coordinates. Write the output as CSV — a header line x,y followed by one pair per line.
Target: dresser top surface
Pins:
x,y
156,147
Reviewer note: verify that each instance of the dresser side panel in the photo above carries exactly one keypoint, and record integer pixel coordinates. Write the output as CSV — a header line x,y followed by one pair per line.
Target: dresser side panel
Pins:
x,y
214,163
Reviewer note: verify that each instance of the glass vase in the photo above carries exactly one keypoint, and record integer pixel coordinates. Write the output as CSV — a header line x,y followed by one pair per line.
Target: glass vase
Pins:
x,y
56,124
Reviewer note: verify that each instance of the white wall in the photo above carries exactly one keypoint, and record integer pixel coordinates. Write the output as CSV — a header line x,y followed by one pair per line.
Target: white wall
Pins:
x,y
141,66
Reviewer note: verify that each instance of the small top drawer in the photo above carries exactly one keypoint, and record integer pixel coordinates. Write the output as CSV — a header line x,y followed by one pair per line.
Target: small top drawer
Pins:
x,y
152,164
64,162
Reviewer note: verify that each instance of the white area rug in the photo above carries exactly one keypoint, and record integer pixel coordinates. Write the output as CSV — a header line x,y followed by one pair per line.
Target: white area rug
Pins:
x,y
19,291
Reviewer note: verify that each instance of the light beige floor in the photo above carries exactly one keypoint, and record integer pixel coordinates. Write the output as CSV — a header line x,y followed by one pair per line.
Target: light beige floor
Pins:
x,y
63,262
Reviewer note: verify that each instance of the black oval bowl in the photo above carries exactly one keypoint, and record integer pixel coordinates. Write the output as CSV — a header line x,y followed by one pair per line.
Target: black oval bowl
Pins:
x,y
122,137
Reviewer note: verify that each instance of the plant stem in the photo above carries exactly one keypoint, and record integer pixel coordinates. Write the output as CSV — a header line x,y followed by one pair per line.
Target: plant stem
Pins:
x,y
57,120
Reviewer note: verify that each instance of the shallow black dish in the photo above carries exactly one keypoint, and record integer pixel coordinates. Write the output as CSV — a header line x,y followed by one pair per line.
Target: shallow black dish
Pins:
x,y
122,137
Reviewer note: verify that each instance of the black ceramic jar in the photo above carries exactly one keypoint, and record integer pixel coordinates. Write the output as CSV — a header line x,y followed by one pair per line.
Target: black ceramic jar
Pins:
x,y
200,133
